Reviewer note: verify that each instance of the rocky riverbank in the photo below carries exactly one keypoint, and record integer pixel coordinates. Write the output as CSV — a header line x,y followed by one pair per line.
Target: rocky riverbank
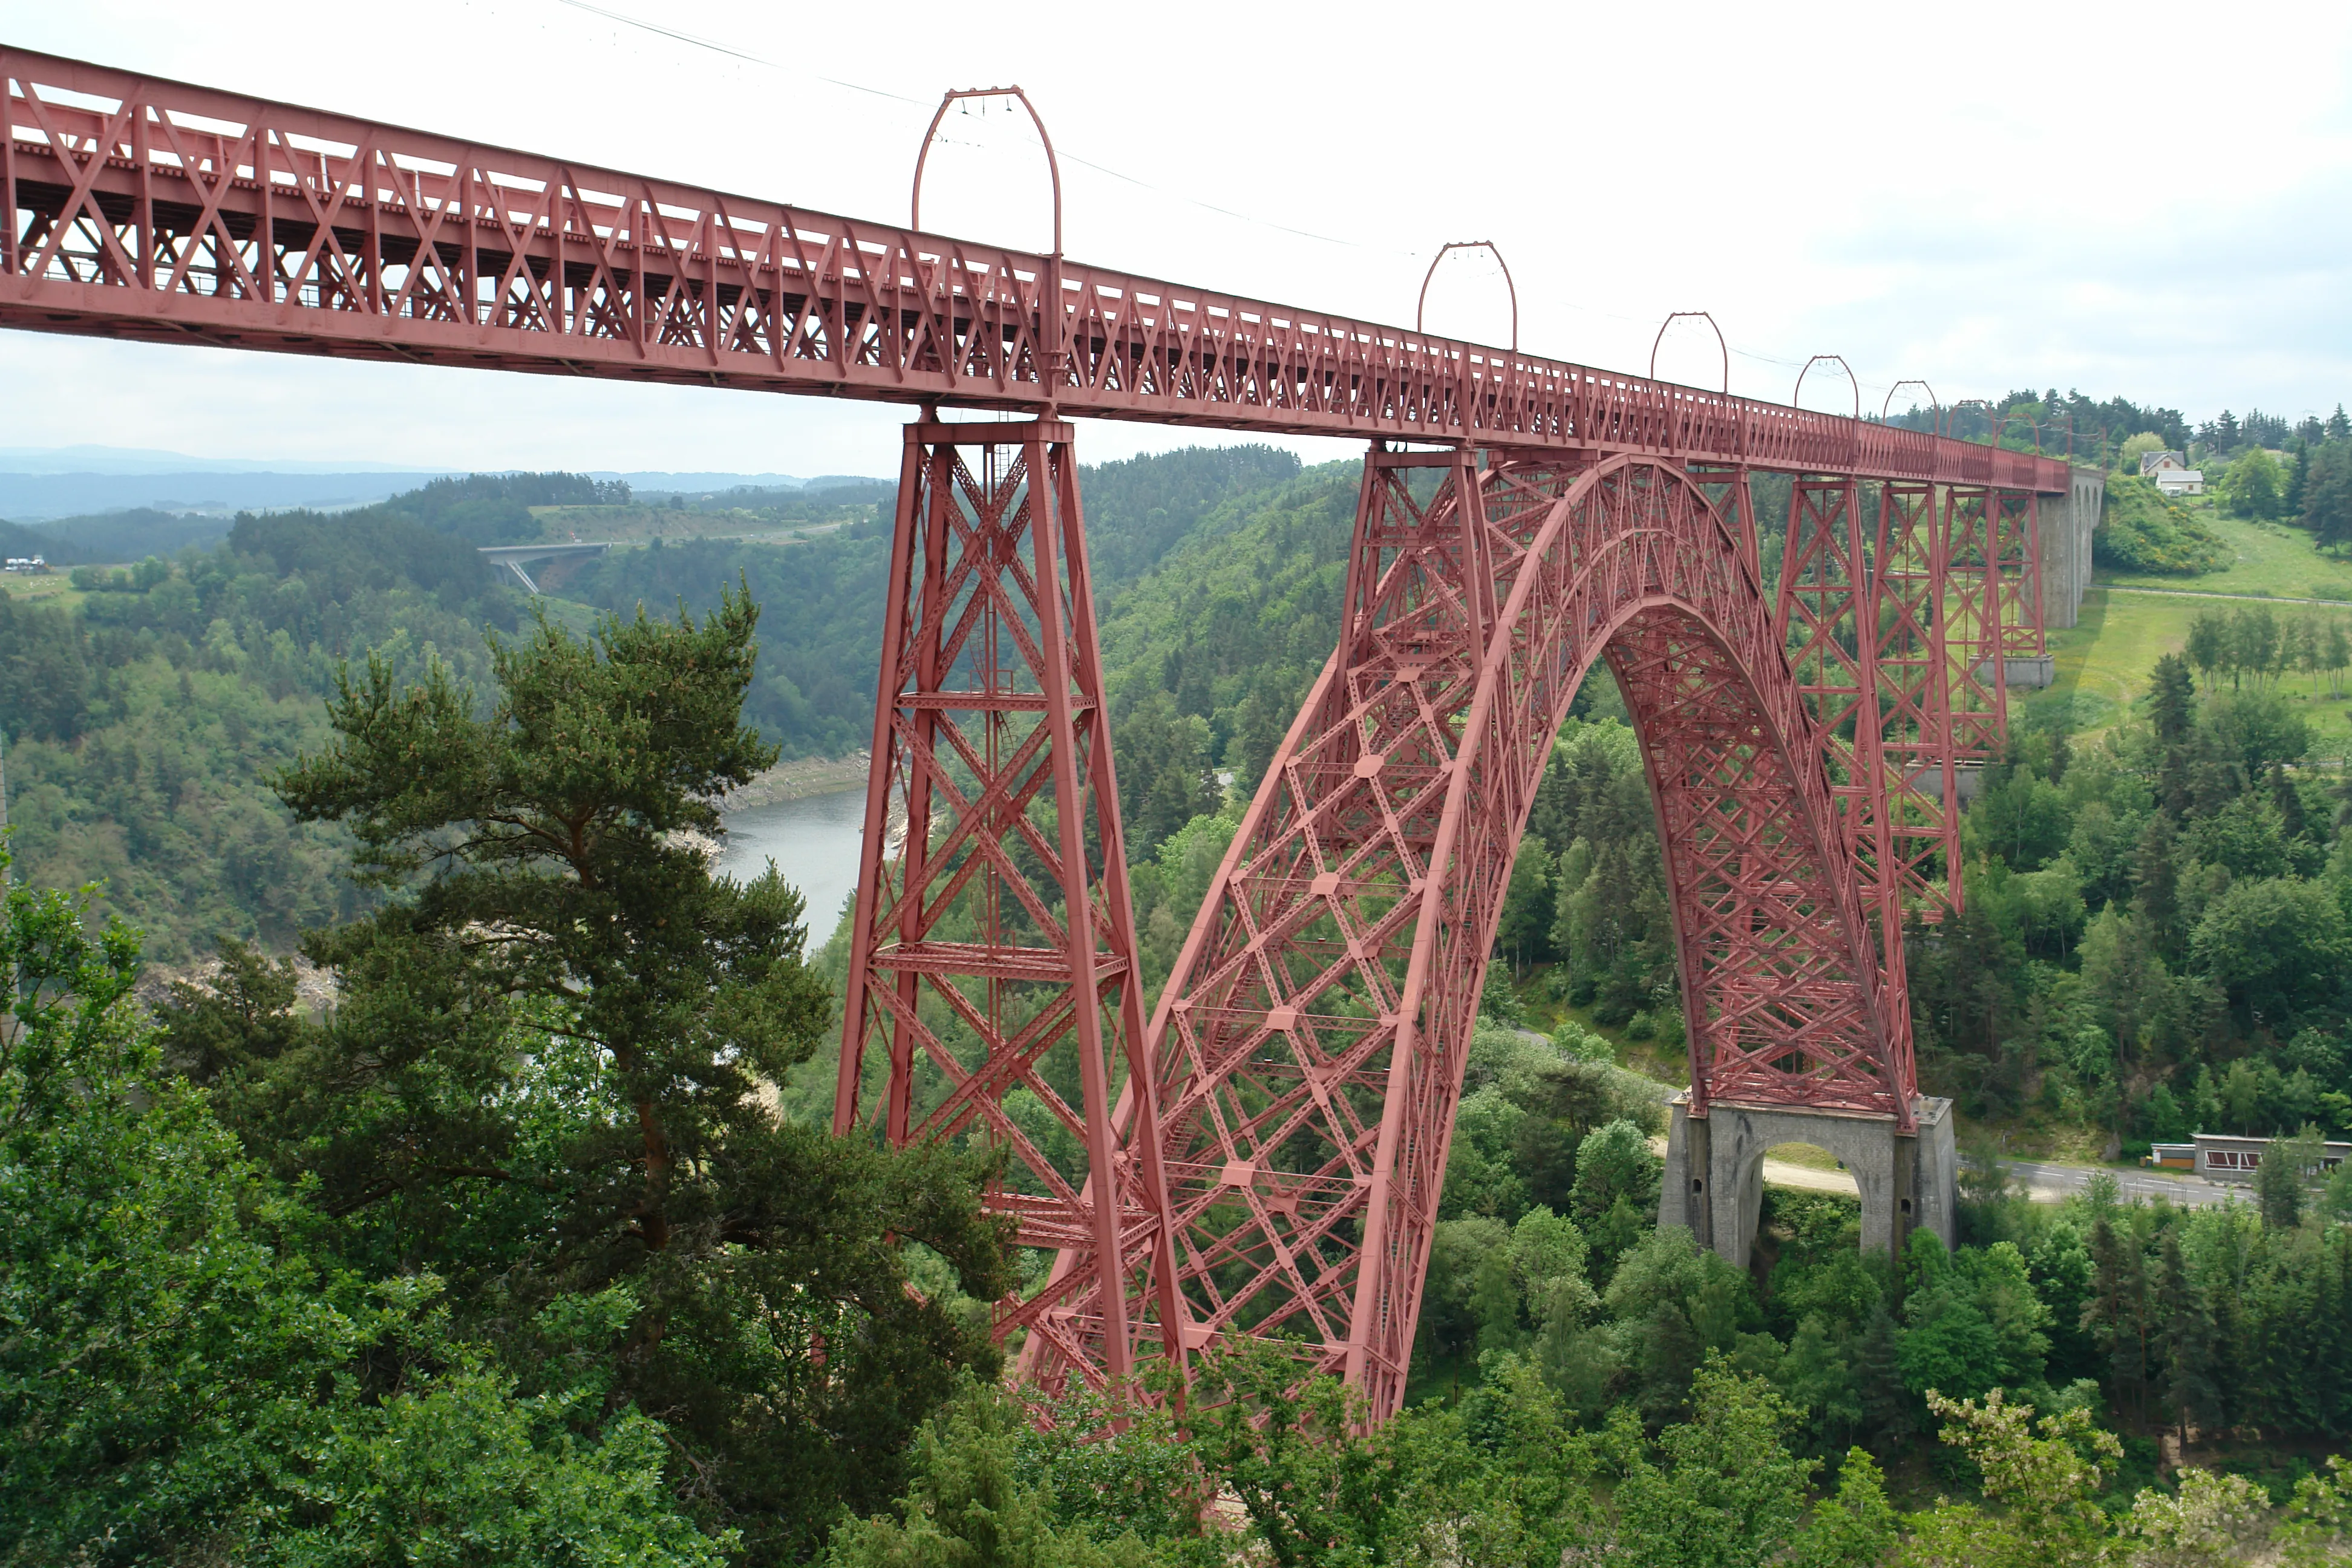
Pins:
x,y
799,778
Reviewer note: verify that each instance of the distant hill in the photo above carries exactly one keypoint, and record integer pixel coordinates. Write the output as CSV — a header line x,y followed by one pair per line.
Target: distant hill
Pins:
x,y
115,536
17,540
33,489
145,715
37,497
92,459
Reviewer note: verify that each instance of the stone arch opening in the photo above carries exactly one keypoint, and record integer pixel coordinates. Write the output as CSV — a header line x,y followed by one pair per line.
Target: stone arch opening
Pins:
x,y
1715,1171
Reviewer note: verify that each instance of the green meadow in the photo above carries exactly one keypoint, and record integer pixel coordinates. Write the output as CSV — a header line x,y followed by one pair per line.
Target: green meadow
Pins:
x,y
2128,622
2274,560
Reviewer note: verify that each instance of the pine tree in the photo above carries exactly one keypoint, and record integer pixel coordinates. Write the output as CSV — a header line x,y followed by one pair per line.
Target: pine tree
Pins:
x,y
548,918
1887,1415
2158,881
2338,426
2190,1391
2278,1180
2118,1308
2327,494
2172,699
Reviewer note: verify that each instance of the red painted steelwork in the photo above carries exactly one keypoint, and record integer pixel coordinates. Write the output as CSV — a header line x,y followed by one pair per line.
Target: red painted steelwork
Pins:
x,y
1916,842
1311,1041
1265,1159
181,214
1980,698
993,993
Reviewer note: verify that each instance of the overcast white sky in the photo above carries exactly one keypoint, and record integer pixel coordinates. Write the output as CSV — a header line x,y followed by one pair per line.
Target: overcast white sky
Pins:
x,y
2154,200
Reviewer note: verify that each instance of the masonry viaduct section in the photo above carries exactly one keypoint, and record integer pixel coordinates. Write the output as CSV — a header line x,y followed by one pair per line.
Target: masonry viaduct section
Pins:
x,y
1263,1156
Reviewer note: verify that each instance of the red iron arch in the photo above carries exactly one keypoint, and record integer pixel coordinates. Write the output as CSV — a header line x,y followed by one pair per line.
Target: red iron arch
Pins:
x,y
1310,1043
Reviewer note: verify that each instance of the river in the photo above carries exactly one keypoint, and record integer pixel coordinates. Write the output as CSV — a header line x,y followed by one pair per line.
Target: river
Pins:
x,y
813,842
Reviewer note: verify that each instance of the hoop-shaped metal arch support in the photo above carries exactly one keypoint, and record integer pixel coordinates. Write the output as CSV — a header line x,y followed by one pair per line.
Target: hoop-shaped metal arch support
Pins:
x,y
1053,163
1722,347
2100,436
1488,246
1795,398
2001,419
1992,417
1937,419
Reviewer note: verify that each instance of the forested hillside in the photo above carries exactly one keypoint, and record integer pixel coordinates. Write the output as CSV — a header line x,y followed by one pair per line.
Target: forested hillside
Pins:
x,y
145,715
146,708
821,626
539,1236
506,1252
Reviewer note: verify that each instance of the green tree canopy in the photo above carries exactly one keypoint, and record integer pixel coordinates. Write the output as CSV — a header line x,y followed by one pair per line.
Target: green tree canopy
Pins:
x,y
551,1069
186,1375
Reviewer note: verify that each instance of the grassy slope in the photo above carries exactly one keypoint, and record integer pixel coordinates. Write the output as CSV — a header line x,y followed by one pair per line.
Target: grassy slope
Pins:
x,y
643,522
2274,560
2105,660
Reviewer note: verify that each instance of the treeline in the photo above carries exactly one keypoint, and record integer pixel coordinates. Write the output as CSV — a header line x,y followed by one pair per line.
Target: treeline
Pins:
x,y
2253,643
2155,936
2313,489
817,500
2094,430
495,509
2262,467
2229,433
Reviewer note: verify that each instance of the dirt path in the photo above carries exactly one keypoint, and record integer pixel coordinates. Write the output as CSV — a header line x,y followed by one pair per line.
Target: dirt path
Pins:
x,y
2197,593
1782,1174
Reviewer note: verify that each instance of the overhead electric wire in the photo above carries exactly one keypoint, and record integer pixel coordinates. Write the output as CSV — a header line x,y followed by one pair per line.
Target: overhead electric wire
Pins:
x,y
733,53
695,41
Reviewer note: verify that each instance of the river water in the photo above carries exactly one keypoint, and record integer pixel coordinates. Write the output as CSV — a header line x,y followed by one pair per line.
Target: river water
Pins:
x,y
813,842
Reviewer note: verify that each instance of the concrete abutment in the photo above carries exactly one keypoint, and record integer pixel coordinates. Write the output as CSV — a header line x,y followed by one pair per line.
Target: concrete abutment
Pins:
x,y
1714,1170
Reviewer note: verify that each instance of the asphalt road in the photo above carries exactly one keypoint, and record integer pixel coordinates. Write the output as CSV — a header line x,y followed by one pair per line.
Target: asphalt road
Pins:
x,y
2044,1182
2050,1182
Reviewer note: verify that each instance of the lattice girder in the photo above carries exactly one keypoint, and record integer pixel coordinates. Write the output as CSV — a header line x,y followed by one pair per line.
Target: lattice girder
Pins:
x,y
1311,1041
993,956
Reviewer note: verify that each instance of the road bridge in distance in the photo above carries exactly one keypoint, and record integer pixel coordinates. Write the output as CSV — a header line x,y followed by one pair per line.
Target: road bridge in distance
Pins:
x,y
516,557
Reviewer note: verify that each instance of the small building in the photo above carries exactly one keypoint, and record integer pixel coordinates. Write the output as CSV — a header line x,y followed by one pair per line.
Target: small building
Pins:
x,y
2225,1157
2172,474
26,563
2173,1156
